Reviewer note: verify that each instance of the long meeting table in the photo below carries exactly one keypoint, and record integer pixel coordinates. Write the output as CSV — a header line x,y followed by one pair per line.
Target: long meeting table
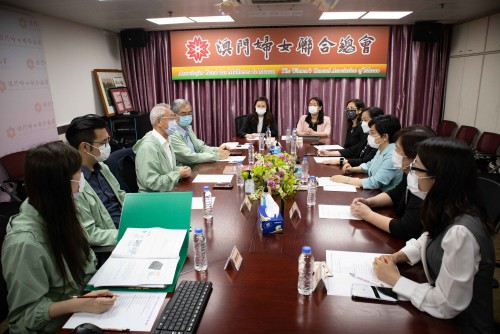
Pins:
x,y
262,296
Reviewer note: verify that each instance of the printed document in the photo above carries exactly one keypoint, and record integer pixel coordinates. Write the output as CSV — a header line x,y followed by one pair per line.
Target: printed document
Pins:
x,y
234,159
213,178
143,258
342,264
320,160
329,147
197,203
336,212
135,311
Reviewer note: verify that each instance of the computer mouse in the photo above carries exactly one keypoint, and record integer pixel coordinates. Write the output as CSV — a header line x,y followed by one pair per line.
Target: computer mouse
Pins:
x,y
87,328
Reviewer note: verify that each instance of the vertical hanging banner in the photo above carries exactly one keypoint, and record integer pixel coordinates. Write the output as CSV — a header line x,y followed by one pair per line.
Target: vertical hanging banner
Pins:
x,y
305,52
27,114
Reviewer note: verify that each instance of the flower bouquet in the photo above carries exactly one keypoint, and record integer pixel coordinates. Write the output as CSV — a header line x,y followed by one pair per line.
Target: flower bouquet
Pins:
x,y
277,172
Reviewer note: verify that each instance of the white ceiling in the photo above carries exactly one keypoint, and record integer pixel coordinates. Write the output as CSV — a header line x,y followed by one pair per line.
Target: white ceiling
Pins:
x,y
116,15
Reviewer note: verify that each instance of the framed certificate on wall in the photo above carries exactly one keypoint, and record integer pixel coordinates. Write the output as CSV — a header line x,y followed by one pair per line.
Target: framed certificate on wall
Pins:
x,y
105,80
121,100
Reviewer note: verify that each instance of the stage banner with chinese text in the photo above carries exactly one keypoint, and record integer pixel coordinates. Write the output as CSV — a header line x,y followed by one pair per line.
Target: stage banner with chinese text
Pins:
x,y
306,52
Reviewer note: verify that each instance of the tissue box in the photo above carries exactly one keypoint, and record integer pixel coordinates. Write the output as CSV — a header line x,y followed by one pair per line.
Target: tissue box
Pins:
x,y
269,225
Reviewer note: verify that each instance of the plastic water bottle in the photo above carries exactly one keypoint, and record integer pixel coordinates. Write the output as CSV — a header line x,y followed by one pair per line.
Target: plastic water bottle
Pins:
x,y
305,170
239,178
288,134
262,143
251,155
294,132
249,184
293,147
268,134
311,191
306,271
298,170
200,250
207,205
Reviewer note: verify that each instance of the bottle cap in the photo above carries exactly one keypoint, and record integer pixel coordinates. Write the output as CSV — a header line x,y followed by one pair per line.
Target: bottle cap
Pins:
x,y
205,188
306,249
239,163
304,158
312,177
198,230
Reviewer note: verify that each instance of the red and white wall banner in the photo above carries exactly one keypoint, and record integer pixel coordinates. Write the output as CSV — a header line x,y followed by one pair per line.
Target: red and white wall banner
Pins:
x,y
303,52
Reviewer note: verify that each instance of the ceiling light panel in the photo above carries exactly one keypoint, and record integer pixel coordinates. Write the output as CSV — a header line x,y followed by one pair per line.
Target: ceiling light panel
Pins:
x,y
170,20
385,15
208,19
341,15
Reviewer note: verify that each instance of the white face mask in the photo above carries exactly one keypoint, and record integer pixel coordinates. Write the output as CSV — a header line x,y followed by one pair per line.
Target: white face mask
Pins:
x,y
260,111
412,182
365,127
371,142
81,184
105,152
313,110
397,160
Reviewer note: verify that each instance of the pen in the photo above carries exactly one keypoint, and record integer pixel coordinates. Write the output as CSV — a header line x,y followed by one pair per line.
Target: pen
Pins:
x,y
94,296
366,280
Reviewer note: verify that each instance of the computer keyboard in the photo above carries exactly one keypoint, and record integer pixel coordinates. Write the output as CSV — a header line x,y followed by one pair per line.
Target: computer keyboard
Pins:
x,y
184,310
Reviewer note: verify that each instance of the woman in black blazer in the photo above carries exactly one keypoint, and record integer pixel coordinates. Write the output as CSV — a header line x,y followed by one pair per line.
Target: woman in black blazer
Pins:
x,y
258,121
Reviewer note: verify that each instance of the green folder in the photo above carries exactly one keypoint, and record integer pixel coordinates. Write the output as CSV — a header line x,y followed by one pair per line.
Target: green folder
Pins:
x,y
170,210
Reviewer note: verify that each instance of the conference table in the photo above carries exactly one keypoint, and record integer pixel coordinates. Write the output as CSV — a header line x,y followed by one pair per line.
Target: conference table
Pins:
x,y
262,296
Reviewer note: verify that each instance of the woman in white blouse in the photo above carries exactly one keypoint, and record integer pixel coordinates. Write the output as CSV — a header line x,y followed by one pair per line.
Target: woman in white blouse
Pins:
x,y
456,248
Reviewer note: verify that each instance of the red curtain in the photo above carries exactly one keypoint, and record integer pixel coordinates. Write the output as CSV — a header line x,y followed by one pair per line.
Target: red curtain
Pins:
x,y
413,89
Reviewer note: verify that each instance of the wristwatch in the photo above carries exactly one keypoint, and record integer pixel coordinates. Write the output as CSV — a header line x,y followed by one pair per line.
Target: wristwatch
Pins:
x,y
342,161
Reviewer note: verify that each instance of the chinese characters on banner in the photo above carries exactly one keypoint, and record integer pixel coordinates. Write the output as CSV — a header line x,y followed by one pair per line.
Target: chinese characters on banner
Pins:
x,y
306,52
27,115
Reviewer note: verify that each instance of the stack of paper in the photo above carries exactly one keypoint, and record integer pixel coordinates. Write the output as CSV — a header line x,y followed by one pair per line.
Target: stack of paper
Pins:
x,y
143,258
329,185
329,147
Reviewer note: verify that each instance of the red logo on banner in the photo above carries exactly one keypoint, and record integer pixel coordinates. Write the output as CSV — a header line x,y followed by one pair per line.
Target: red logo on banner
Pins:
x,y
11,132
197,49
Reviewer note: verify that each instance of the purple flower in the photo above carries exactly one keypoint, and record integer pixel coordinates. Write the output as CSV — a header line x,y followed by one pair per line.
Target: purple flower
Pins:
x,y
271,184
282,172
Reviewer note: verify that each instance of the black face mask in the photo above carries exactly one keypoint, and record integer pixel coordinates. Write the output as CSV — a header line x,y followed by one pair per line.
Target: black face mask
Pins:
x,y
351,114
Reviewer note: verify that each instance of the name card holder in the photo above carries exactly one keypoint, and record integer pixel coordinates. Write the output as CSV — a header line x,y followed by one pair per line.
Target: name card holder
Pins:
x,y
235,259
246,203
294,210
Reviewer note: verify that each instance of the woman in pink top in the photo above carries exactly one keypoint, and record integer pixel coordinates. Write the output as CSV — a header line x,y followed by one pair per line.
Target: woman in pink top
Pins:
x,y
315,123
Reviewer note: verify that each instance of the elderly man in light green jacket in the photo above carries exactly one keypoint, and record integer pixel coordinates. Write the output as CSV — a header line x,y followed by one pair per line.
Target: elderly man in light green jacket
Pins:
x,y
155,162
190,150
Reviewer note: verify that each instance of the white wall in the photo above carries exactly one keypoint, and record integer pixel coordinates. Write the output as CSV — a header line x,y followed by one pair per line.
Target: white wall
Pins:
x,y
72,51
473,81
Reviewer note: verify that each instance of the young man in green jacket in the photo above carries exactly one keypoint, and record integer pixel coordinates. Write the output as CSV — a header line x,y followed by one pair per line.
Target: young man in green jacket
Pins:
x,y
100,204
190,150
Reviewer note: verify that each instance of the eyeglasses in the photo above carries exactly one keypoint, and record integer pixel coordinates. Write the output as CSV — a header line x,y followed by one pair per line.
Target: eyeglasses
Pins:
x,y
104,143
168,118
186,113
414,169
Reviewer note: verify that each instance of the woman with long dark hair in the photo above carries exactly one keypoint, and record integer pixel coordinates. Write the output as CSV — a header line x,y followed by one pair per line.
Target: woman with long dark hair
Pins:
x,y
456,248
315,123
259,120
46,256
353,110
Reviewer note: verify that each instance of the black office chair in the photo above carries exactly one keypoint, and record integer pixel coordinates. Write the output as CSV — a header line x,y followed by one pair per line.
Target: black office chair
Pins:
x,y
238,123
4,308
122,165
490,192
